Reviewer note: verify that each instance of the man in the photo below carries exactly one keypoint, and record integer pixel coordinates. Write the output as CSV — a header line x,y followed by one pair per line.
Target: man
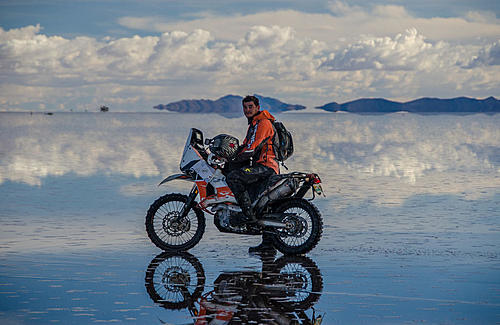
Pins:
x,y
259,161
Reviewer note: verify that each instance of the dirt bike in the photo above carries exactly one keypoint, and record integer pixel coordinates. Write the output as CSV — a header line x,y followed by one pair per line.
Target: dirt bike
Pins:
x,y
176,222
283,293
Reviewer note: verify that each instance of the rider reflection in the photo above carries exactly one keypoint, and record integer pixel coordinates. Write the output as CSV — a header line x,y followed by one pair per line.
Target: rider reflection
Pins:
x,y
283,293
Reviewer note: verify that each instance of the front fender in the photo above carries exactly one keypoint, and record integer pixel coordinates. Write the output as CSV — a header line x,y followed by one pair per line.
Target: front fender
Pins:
x,y
177,176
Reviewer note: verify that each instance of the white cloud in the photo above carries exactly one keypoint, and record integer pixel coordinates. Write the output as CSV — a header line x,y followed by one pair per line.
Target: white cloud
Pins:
x,y
408,51
87,66
21,34
488,55
486,17
301,58
343,22
340,8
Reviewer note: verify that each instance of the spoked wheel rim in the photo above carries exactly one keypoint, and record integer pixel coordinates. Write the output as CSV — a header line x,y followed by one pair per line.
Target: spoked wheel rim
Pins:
x,y
302,280
298,282
171,228
175,280
298,227
303,227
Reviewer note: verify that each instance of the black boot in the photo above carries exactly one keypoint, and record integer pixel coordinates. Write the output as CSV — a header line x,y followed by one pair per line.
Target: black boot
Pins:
x,y
266,247
246,206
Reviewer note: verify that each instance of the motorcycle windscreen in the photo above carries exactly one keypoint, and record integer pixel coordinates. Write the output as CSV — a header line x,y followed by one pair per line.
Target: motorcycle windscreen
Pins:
x,y
191,156
192,159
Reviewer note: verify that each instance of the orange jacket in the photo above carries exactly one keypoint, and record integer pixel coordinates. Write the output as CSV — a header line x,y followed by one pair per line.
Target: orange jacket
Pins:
x,y
260,128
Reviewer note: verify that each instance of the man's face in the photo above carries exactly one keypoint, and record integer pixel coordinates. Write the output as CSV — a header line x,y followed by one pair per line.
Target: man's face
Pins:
x,y
249,109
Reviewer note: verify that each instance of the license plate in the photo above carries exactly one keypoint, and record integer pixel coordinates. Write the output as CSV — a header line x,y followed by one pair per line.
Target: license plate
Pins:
x,y
318,189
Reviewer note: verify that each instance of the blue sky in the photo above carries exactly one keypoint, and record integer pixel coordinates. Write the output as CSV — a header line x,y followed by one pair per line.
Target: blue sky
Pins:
x,y
131,55
99,18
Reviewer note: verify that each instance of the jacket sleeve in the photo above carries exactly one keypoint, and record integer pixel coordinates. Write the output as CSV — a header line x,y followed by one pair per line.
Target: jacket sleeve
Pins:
x,y
264,131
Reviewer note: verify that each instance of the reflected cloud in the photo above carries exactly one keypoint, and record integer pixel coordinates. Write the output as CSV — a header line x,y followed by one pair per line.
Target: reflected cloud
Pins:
x,y
415,154
389,158
285,290
37,146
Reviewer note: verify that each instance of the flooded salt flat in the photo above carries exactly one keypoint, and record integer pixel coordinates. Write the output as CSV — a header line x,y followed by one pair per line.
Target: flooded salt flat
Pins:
x,y
411,222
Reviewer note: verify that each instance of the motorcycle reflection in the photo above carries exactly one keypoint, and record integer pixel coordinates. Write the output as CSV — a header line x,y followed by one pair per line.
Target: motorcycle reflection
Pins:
x,y
281,294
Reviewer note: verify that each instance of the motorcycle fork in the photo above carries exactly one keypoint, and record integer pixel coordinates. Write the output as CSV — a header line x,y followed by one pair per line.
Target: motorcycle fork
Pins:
x,y
189,203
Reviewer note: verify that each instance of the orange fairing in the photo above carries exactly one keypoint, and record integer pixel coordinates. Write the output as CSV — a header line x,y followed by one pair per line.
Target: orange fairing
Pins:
x,y
224,194
202,189
224,191
223,313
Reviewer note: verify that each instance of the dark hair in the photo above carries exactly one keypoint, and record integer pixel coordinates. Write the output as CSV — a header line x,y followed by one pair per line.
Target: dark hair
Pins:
x,y
253,99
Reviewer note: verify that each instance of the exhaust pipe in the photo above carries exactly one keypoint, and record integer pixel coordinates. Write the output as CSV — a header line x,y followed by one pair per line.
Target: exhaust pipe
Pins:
x,y
271,223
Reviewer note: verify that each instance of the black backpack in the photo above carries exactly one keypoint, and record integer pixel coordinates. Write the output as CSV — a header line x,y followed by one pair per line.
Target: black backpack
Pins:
x,y
282,142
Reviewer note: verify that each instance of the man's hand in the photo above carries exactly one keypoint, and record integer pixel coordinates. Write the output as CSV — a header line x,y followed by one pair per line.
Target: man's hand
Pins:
x,y
244,156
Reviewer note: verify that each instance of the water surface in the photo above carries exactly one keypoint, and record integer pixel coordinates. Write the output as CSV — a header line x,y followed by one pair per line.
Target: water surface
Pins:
x,y
411,219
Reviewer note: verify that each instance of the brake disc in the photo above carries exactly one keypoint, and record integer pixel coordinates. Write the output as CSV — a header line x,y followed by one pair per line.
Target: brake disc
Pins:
x,y
295,226
173,226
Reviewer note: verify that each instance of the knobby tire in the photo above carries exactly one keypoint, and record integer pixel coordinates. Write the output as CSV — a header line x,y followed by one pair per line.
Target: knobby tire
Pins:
x,y
316,227
152,216
159,291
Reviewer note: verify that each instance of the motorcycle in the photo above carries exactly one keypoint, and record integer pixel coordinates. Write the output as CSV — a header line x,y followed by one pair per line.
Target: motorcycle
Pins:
x,y
281,294
176,222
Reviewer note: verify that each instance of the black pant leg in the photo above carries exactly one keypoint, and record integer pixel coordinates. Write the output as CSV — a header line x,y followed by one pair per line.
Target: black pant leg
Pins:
x,y
240,179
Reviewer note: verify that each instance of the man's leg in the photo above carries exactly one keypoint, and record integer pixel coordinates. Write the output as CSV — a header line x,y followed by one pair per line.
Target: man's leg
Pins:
x,y
238,181
266,246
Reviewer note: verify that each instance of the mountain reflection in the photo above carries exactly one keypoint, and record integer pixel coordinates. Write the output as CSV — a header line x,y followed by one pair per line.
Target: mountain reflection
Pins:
x,y
284,292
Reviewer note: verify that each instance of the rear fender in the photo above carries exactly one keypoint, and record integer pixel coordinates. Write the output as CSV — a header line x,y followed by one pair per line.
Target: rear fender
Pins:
x,y
177,176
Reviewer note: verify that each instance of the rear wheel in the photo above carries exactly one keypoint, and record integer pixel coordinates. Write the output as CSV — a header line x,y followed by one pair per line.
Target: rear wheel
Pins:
x,y
302,280
303,230
169,232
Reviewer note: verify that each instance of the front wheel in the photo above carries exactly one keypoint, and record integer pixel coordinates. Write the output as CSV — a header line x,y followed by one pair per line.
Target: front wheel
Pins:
x,y
167,230
175,280
303,230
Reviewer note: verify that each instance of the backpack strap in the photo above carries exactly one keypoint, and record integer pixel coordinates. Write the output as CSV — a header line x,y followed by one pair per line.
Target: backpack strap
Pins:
x,y
275,146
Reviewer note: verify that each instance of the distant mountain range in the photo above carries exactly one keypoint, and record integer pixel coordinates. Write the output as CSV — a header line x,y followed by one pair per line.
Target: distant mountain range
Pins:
x,y
422,105
227,105
230,105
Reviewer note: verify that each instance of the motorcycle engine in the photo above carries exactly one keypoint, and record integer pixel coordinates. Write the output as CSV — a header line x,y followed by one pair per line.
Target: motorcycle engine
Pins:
x,y
222,220
223,216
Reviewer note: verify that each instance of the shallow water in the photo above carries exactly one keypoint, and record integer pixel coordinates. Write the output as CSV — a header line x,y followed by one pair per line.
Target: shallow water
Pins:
x,y
411,221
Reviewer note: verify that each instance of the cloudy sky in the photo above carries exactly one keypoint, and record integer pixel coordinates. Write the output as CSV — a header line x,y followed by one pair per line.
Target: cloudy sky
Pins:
x,y
130,55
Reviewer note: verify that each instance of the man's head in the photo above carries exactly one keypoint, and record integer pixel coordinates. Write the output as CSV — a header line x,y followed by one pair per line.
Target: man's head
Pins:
x,y
250,106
